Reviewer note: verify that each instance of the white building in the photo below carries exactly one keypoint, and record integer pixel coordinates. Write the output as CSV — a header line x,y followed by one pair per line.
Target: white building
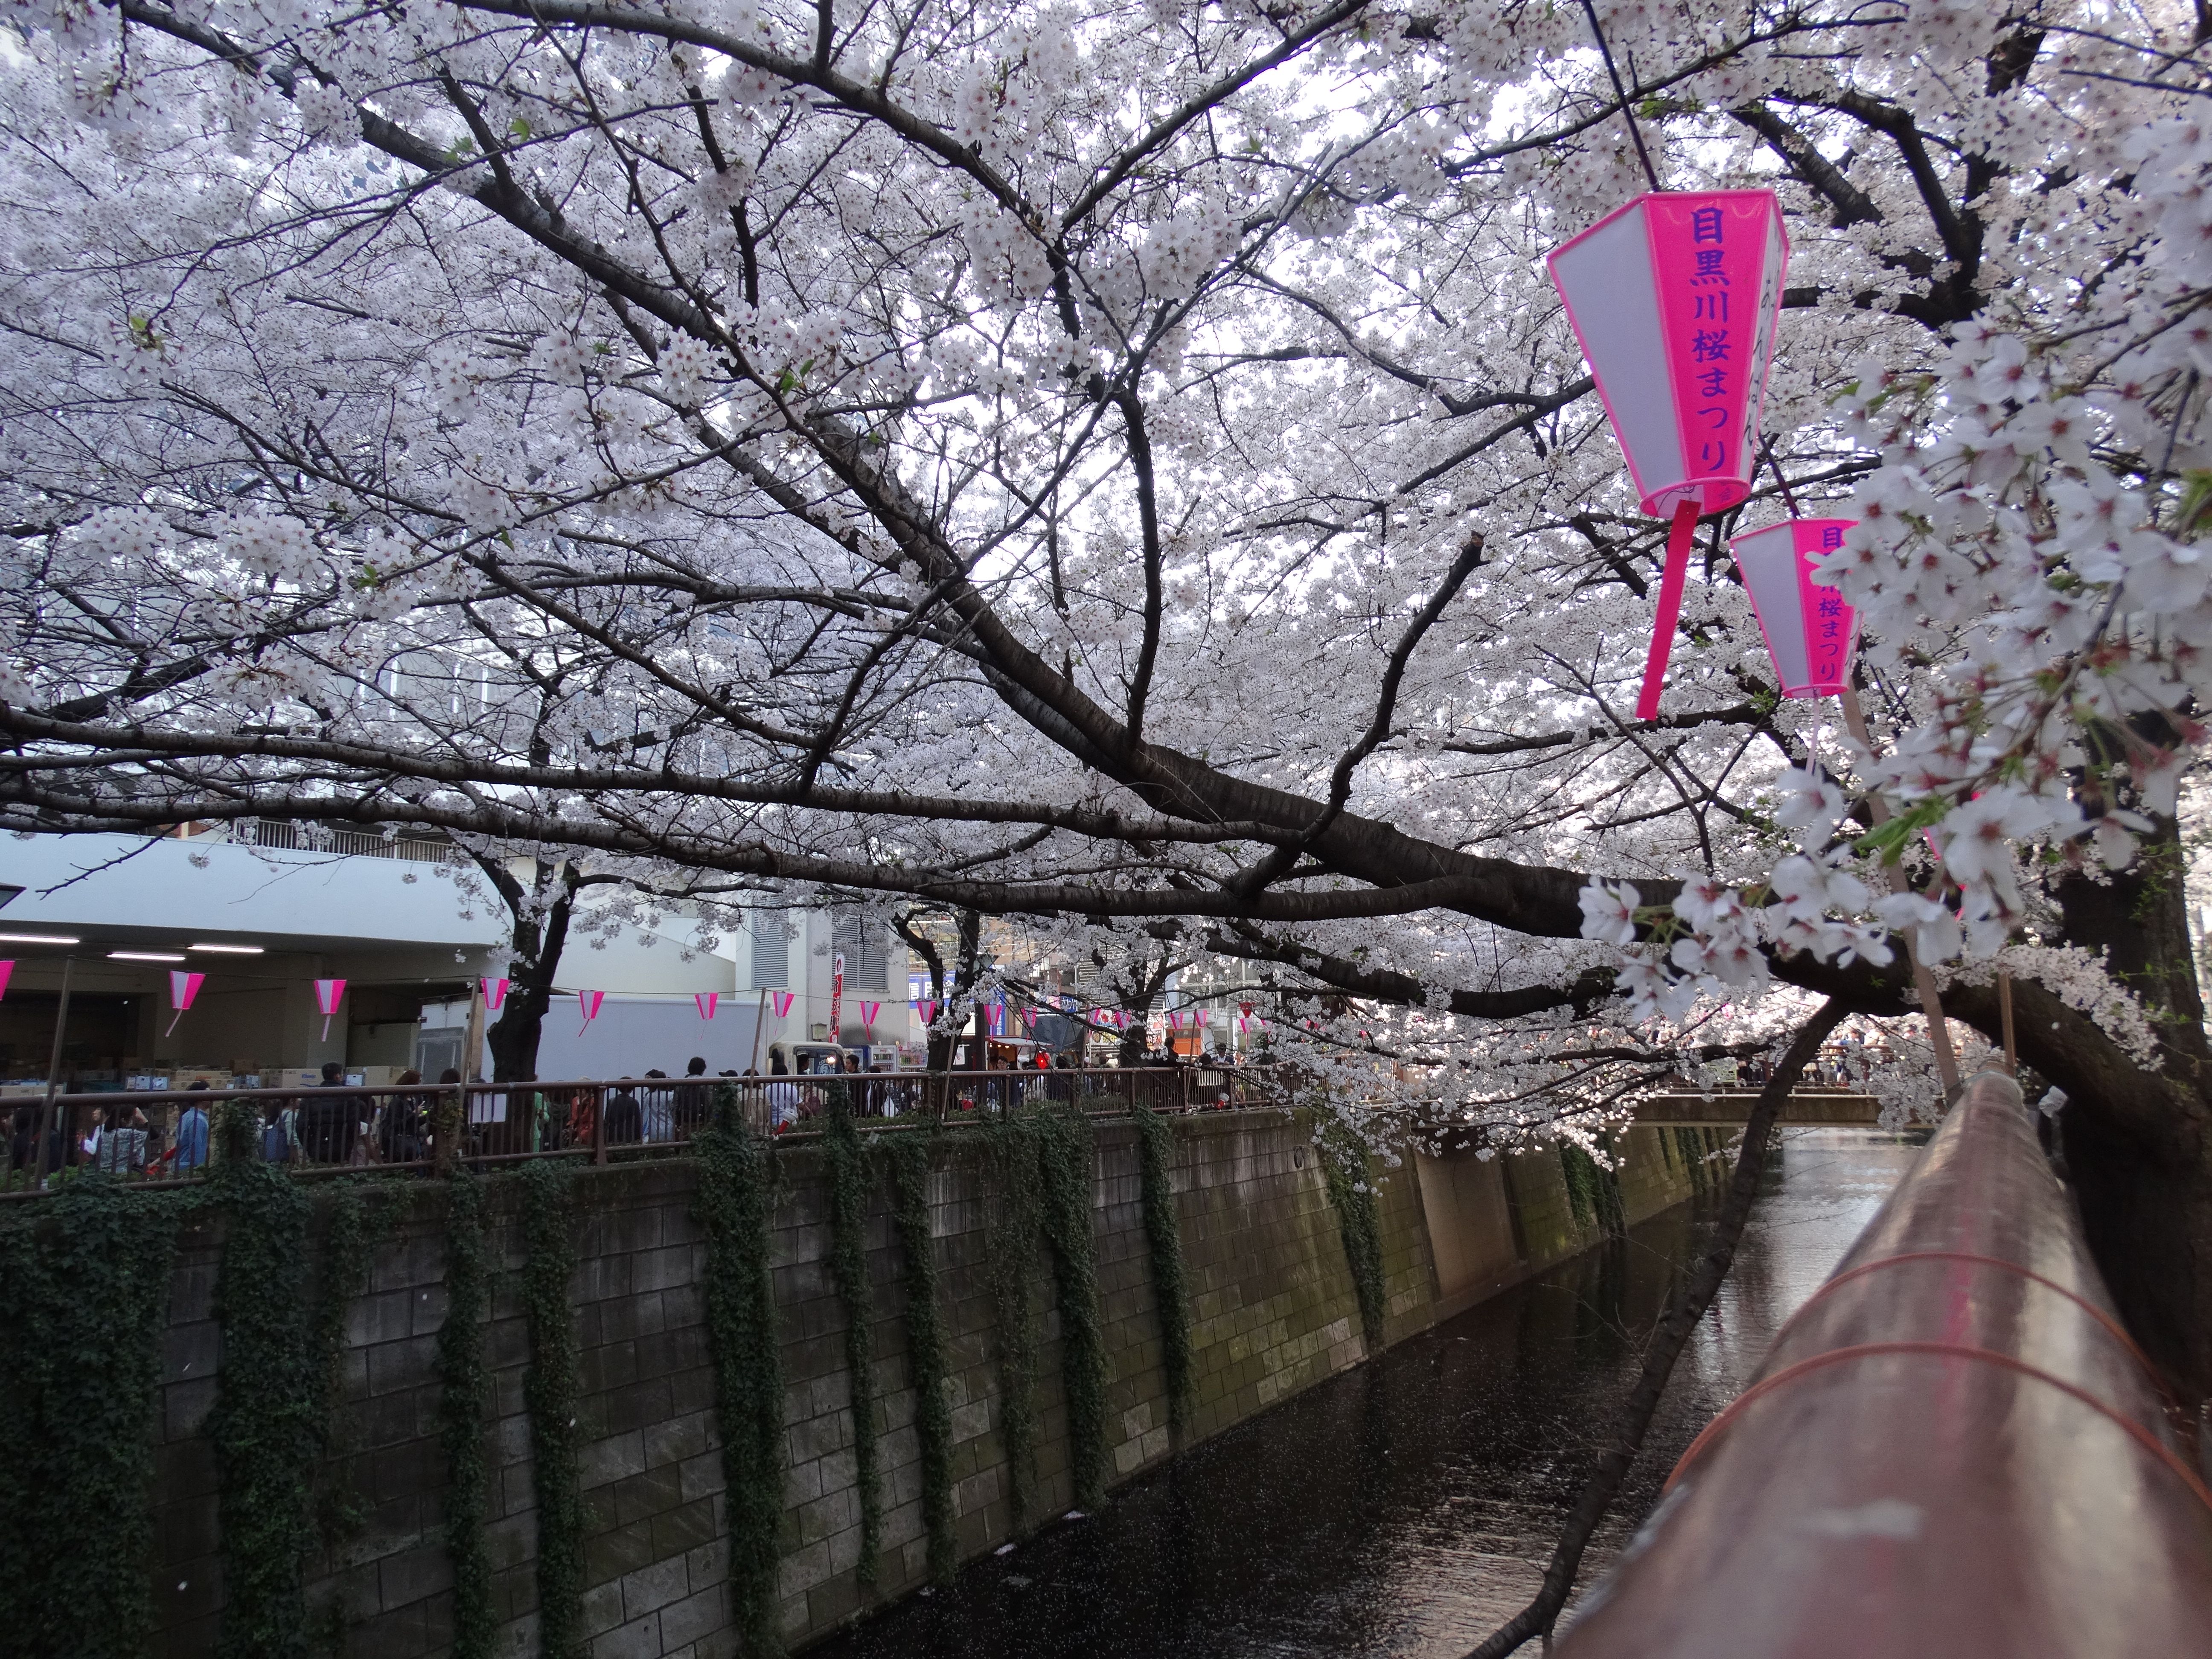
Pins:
x,y
263,923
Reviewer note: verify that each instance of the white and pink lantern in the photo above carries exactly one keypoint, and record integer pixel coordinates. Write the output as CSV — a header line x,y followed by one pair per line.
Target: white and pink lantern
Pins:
x,y
1674,299
329,993
1809,629
183,990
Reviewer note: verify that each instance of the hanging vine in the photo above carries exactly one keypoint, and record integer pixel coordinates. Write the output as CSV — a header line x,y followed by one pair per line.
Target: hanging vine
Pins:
x,y
849,1272
1593,1191
549,1393
1064,1159
735,1184
1351,1191
462,1385
1163,1245
86,1275
1011,1243
925,1348
269,1424
1580,1175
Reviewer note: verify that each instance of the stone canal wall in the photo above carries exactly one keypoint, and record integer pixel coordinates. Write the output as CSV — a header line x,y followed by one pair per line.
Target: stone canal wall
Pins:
x,y
1272,1306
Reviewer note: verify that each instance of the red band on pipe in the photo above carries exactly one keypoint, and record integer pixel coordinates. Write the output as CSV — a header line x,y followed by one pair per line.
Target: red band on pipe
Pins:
x,y
2119,1331
1677,570
2142,1437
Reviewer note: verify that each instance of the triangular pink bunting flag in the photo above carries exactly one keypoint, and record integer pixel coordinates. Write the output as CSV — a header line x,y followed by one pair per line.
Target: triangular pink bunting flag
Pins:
x,y
6,968
495,992
183,987
327,993
781,1001
589,1001
705,1001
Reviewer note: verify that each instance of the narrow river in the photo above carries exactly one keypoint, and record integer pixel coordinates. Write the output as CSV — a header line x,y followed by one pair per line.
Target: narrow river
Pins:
x,y
1408,1507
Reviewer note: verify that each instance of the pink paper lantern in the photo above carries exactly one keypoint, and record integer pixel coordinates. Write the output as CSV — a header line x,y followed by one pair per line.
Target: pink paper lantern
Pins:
x,y
7,968
705,1001
588,1003
1674,300
1809,629
781,1001
495,993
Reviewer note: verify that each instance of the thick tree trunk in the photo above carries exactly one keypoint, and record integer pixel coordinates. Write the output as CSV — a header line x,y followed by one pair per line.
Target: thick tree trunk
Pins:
x,y
512,1038
2139,1148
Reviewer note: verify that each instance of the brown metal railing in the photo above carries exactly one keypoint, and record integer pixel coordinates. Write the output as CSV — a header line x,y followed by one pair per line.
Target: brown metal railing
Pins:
x,y
173,1136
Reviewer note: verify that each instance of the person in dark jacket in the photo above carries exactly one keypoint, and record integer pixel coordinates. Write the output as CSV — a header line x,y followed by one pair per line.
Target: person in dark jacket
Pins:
x,y
625,1118
402,1131
328,1122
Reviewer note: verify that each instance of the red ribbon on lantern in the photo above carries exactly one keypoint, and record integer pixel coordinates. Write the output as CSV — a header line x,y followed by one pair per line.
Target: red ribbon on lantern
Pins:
x,y
1674,299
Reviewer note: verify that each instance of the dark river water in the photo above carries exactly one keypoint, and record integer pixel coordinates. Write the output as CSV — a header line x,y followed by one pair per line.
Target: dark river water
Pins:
x,y
1407,1507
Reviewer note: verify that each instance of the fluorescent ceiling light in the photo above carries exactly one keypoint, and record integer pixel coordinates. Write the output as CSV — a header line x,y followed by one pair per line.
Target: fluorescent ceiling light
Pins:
x,y
143,956
37,938
228,949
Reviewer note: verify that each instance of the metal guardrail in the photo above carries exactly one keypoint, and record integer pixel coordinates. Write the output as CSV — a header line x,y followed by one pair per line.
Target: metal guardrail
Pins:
x,y
168,1137
354,843
1954,1448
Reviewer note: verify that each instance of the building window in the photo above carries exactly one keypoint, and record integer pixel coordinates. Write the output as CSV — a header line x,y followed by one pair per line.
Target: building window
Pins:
x,y
866,961
771,951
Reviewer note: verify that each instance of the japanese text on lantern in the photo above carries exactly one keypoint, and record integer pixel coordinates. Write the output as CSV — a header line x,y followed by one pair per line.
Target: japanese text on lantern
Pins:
x,y
1716,362
1832,617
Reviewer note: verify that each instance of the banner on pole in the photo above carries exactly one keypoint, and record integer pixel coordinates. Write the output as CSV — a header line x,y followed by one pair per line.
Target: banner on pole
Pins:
x,y
836,996
327,995
183,987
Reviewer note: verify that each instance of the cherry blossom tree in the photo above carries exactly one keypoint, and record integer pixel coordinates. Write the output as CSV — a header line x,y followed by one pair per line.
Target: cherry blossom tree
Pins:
x,y
1125,464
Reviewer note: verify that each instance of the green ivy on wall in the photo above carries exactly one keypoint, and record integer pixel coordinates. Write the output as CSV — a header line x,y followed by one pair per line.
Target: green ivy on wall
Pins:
x,y
269,1424
736,1181
352,1234
463,1386
925,1347
1064,1159
1352,1192
1163,1245
847,1168
1011,1243
549,1391
84,1294
1593,1191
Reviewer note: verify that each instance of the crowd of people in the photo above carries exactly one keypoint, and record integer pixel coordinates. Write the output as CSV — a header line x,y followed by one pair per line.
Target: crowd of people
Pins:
x,y
333,1125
